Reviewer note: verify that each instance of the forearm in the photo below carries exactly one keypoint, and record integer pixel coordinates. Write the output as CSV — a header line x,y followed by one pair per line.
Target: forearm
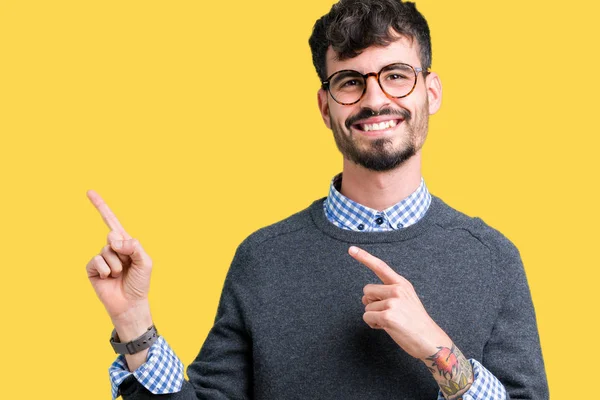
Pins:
x,y
451,370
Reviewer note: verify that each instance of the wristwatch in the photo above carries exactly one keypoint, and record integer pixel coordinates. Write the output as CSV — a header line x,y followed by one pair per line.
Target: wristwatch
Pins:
x,y
135,346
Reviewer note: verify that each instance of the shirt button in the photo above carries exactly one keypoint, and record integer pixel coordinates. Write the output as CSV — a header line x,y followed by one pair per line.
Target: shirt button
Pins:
x,y
379,221
399,226
361,227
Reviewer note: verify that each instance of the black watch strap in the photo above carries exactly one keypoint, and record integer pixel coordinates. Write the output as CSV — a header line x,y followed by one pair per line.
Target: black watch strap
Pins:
x,y
135,346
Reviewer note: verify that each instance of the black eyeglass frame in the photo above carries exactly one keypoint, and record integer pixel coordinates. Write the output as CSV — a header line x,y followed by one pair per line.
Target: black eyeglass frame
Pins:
x,y
416,70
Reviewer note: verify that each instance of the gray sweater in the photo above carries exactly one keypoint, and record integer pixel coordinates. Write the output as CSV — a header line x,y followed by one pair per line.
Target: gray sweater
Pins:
x,y
289,324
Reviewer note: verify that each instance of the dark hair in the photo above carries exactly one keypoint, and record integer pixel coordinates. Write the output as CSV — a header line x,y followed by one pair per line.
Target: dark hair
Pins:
x,y
353,25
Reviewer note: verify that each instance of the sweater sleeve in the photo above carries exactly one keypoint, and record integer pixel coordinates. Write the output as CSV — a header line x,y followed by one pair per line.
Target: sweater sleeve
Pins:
x,y
223,368
513,353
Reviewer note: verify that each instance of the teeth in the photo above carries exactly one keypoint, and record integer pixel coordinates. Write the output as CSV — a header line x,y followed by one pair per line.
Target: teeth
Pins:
x,y
378,127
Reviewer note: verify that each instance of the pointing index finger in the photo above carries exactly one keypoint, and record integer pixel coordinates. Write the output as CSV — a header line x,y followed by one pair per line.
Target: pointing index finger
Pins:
x,y
110,219
387,275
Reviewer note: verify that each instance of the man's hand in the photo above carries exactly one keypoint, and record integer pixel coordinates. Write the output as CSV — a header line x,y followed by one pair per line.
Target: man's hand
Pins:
x,y
395,307
120,275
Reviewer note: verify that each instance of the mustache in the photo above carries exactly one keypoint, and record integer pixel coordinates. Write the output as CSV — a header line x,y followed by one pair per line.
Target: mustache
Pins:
x,y
365,113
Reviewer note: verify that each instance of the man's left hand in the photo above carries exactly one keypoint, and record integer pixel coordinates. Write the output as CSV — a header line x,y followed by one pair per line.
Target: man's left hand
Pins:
x,y
395,307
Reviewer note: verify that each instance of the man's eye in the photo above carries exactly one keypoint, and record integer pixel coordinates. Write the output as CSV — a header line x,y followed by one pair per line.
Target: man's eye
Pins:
x,y
352,82
393,77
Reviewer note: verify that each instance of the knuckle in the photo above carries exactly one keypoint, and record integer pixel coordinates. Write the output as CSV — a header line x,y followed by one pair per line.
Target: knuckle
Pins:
x,y
98,264
112,235
397,291
393,303
117,266
387,316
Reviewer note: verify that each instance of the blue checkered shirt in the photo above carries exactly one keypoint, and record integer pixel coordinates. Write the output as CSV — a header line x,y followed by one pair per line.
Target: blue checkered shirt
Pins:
x,y
163,371
347,214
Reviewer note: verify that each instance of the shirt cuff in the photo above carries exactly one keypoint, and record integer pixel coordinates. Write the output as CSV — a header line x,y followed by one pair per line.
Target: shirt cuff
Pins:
x,y
485,385
162,373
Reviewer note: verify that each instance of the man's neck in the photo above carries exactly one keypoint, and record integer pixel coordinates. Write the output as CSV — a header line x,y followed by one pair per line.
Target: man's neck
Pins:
x,y
381,190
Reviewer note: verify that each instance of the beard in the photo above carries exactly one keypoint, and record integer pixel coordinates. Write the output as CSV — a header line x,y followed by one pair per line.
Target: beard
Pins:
x,y
381,154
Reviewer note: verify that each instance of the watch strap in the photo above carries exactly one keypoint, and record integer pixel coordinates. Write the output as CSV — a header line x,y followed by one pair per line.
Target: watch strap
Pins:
x,y
135,346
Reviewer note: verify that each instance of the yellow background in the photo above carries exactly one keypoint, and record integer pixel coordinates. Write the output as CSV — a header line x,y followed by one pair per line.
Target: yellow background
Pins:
x,y
197,121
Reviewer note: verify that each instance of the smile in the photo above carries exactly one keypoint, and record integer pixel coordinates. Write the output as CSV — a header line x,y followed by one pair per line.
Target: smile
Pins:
x,y
377,126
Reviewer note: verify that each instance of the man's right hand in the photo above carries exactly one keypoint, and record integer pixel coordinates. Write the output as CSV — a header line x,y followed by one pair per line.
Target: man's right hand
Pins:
x,y
120,275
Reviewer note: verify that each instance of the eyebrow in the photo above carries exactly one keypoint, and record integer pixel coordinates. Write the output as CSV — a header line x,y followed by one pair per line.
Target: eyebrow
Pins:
x,y
344,73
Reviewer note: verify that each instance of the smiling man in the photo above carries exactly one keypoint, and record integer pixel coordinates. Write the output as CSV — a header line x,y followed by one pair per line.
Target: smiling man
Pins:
x,y
379,291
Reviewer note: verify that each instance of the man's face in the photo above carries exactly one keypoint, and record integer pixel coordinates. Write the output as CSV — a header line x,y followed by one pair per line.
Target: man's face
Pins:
x,y
380,132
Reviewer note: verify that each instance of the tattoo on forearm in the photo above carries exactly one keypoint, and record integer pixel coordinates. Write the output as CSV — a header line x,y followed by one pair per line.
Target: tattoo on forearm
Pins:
x,y
452,371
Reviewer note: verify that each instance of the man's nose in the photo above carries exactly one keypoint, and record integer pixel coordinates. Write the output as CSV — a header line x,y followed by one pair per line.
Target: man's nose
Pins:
x,y
374,97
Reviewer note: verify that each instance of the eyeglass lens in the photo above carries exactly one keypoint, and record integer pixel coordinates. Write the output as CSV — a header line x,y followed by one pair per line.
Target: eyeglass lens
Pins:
x,y
397,80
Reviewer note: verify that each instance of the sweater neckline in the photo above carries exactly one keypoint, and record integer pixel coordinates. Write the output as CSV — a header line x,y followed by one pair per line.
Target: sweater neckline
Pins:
x,y
318,216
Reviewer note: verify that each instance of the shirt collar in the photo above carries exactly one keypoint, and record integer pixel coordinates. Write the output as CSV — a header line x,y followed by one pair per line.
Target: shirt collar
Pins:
x,y
350,215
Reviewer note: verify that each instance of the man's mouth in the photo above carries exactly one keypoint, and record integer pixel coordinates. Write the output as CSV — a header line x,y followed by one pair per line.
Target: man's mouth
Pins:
x,y
377,126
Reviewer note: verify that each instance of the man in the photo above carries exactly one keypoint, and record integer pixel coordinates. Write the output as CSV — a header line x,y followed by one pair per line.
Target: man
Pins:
x,y
445,309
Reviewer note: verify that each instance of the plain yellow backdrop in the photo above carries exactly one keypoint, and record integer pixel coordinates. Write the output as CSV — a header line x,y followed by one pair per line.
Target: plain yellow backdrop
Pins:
x,y
197,121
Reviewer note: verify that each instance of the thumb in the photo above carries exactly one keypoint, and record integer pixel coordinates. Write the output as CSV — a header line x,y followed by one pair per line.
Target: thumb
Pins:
x,y
114,236
133,249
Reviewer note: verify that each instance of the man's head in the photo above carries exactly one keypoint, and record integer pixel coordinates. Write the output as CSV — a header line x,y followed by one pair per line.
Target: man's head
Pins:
x,y
385,126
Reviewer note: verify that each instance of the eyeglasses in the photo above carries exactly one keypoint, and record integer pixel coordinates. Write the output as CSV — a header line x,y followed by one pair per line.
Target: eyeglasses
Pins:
x,y
347,86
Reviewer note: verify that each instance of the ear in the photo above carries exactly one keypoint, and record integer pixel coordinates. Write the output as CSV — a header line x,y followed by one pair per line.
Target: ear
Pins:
x,y
434,92
324,106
